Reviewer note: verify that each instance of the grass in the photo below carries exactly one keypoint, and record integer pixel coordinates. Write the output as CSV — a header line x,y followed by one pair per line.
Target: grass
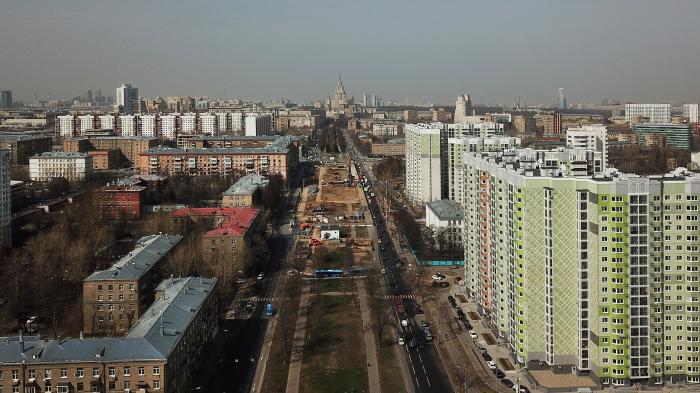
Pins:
x,y
333,357
390,376
333,285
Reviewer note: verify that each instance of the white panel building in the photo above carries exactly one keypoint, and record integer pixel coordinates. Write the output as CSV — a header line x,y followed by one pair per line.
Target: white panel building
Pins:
x,y
147,125
168,126
87,122
590,137
5,208
106,122
423,162
127,125
257,124
656,113
691,112
66,125
208,124
188,123
222,121
51,165
236,121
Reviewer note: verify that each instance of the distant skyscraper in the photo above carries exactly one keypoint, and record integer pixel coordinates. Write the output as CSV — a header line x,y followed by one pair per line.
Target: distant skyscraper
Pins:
x,y
6,99
127,97
341,98
365,100
463,108
562,99
88,96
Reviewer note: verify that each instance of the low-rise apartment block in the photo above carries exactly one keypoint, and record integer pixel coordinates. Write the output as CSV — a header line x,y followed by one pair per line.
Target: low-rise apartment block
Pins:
x,y
130,147
160,353
242,192
120,199
391,148
275,158
51,165
115,298
229,226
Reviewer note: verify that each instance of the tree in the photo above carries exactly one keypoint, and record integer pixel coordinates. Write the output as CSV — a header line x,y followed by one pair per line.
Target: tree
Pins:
x,y
57,187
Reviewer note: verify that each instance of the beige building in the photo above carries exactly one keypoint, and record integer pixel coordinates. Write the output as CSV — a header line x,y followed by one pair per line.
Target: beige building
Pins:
x,y
113,299
394,147
51,165
275,158
242,193
160,353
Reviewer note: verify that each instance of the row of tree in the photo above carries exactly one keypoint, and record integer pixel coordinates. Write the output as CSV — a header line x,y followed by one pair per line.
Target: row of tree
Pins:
x,y
331,140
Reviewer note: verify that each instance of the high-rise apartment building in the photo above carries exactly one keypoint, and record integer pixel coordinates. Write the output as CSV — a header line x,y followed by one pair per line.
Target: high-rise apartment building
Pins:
x,y
691,112
257,124
5,208
598,272
207,124
127,98
678,136
6,99
463,108
648,113
590,137
65,126
423,162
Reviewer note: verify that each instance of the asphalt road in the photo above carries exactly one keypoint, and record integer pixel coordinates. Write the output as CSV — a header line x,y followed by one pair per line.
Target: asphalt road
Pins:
x,y
230,363
425,364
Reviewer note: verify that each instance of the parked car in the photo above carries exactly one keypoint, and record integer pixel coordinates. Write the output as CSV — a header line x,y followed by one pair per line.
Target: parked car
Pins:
x,y
491,364
401,341
451,299
499,374
424,323
473,335
438,277
486,356
261,276
404,322
523,389
482,349
507,382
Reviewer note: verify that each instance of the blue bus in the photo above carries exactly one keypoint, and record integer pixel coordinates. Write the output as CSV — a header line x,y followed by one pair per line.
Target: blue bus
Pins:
x,y
268,309
328,273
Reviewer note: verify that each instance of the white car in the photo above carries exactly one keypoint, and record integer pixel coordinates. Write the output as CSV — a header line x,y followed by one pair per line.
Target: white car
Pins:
x,y
404,322
491,364
438,277
401,341
473,335
383,271
261,276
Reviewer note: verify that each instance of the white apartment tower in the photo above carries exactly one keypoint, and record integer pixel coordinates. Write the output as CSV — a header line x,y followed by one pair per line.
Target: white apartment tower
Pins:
x,y
168,126
147,125
66,125
656,113
590,137
127,97
463,108
86,122
5,211
188,123
127,125
207,123
691,112
236,121
106,122
257,124
423,162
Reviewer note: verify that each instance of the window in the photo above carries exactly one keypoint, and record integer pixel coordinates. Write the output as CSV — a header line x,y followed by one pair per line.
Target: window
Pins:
x,y
127,371
127,385
99,287
141,371
95,372
156,384
79,386
156,370
112,372
47,374
79,373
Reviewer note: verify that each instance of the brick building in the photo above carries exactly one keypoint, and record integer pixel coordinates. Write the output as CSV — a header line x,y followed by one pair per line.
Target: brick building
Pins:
x,y
105,159
160,353
394,147
120,199
113,299
242,192
24,145
130,146
229,225
275,158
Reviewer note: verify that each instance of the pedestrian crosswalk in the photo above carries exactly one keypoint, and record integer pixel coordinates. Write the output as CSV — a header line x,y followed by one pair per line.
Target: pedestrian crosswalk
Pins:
x,y
401,296
263,299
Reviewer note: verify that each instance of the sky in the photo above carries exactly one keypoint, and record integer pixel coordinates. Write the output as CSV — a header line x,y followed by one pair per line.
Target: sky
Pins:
x,y
631,50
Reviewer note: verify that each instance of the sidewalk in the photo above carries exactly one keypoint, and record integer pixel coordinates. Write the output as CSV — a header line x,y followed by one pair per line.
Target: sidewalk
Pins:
x,y
294,376
370,348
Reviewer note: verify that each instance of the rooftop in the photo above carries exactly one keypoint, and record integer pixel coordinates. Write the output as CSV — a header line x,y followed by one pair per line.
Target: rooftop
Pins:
x,y
279,144
247,185
234,221
446,210
148,252
17,137
60,154
152,338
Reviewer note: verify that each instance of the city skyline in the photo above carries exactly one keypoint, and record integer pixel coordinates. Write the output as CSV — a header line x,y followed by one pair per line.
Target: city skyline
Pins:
x,y
386,52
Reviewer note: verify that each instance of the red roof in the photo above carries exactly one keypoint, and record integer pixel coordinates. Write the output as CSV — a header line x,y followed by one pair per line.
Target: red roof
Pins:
x,y
235,220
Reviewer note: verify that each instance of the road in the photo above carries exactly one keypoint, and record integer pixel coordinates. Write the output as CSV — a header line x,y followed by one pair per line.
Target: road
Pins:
x,y
425,364
233,358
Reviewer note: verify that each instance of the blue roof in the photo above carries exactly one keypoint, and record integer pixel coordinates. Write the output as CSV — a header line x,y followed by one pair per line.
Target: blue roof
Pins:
x,y
247,185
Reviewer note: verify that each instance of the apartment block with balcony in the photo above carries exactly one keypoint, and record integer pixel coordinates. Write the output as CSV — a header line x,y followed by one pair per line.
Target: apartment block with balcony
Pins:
x,y
115,298
595,271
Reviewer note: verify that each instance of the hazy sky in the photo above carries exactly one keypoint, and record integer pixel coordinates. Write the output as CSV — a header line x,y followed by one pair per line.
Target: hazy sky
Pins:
x,y
639,50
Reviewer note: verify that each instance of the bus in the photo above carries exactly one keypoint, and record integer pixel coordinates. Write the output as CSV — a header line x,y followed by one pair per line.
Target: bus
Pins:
x,y
328,273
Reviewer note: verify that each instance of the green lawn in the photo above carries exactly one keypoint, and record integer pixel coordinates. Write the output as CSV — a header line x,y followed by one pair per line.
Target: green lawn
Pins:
x,y
339,380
